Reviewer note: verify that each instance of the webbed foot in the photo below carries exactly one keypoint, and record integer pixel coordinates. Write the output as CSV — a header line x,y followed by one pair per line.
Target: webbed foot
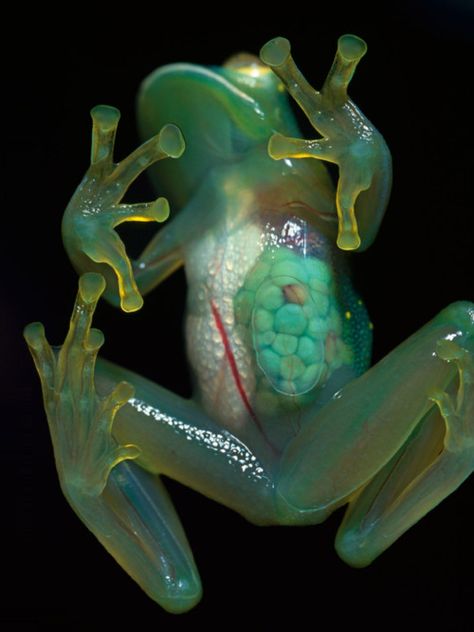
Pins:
x,y
348,138
457,409
80,421
96,209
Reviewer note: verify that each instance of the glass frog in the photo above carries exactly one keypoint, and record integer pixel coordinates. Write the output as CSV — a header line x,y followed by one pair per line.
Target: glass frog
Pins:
x,y
288,422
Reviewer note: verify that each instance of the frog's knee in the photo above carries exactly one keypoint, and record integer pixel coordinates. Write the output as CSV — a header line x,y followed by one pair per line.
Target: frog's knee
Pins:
x,y
353,547
459,314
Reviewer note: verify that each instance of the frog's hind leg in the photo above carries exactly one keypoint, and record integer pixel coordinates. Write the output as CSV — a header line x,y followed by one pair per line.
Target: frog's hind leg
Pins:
x,y
435,460
112,438
126,508
393,443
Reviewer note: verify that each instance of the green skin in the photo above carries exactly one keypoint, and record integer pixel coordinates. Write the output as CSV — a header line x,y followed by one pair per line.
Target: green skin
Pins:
x,y
278,340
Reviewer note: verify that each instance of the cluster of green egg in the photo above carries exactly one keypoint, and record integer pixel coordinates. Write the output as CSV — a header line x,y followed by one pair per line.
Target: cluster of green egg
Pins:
x,y
285,304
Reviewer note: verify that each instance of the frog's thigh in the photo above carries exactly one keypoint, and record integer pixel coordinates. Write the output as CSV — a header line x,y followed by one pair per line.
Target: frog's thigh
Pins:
x,y
177,439
384,435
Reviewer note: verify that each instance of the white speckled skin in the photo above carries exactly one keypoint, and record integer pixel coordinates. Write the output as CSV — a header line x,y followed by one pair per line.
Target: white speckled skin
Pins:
x,y
216,268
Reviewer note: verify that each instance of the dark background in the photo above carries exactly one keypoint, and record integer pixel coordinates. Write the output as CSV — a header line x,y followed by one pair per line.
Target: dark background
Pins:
x,y
414,84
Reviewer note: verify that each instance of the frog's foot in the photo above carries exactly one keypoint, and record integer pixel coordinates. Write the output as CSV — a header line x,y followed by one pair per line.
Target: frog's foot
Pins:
x,y
348,138
457,410
126,508
80,421
96,209
432,463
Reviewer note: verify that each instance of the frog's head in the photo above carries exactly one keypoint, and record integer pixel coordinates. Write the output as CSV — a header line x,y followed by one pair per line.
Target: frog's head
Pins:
x,y
226,113
223,112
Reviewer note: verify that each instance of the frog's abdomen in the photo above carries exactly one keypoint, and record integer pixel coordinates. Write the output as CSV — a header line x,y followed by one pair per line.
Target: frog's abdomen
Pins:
x,y
223,366
267,326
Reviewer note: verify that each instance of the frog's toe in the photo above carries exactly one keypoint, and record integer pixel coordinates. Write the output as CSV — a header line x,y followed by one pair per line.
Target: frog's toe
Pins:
x,y
107,248
105,120
456,403
42,354
168,143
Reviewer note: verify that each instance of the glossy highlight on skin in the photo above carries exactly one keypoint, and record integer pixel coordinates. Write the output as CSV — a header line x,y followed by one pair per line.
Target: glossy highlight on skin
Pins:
x,y
288,422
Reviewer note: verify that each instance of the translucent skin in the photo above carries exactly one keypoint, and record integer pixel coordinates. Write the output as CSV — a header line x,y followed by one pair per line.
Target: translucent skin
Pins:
x,y
287,422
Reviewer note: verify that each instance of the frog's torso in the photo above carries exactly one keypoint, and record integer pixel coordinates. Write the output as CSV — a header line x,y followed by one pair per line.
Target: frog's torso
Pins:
x,y
272,320
273,326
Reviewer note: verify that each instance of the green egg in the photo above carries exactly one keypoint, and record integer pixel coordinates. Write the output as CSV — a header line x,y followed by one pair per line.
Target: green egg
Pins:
x,y
284,344
263,320
317,327
291,367
270,296
309,350
292,269
290,319
309,377
269,362
265,339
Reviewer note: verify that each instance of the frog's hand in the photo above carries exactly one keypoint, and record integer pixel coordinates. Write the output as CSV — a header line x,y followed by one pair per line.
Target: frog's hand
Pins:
x,y
127,509
348,139
96,209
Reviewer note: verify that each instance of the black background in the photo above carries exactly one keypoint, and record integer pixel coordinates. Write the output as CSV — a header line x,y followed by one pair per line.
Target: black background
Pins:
x,y
414,84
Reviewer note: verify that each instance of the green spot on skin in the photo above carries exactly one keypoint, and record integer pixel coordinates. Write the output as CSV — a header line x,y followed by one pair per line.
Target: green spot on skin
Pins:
x,y
285,344
263,320
290,319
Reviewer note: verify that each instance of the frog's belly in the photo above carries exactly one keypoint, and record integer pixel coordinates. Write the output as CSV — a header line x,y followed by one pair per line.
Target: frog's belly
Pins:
x,y
223,365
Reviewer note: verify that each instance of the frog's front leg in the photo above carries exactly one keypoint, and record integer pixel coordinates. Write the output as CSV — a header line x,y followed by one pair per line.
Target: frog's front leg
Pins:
x,y
96,208
393,443
125,507
348,139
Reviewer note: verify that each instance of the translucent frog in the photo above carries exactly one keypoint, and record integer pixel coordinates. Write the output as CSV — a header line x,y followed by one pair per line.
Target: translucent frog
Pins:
x,y
287,422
